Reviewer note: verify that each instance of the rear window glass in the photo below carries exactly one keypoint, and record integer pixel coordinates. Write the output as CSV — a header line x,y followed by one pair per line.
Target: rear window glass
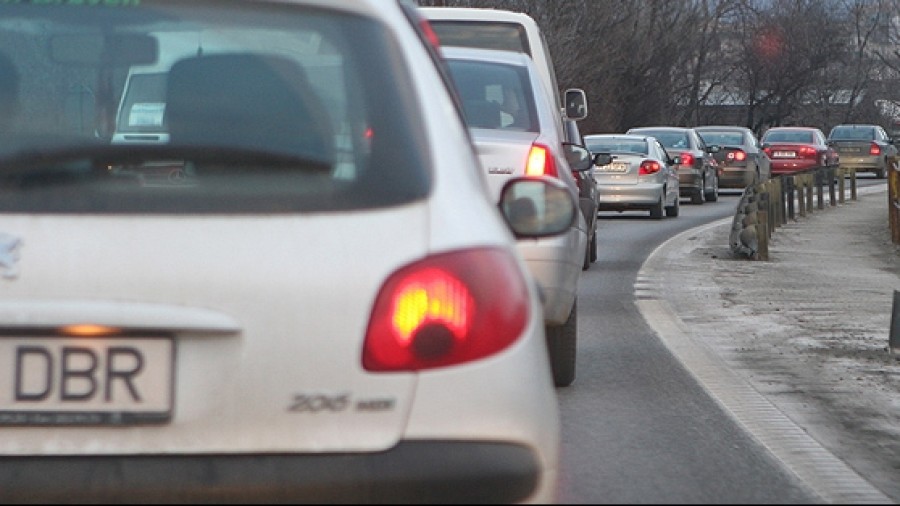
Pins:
x,y
487,35
791,136
722,138
495,96
672,140
164,106
850,133
615,145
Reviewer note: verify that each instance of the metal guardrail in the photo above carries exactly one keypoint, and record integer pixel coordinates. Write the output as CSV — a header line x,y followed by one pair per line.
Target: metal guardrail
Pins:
x,y
771,204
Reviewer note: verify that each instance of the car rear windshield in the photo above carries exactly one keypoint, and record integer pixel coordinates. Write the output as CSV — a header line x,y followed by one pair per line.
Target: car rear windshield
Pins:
x,y
713,138
789,136
483,34
162,106
672,140
852,133
614,145
495,96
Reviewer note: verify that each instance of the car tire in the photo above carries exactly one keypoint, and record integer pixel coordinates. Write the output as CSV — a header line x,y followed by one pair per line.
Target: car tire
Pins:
x,y
673,210
594,253
880,173
561,341
697,196
656,212
713,195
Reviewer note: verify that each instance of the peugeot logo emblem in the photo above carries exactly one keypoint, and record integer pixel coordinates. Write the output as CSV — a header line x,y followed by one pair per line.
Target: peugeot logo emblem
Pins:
x,y
9,256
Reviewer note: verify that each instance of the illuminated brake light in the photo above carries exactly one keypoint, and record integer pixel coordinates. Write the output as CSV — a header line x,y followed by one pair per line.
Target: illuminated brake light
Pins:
x,y
649,167
874,149
687,159
540,162
808,152
444,311
736,156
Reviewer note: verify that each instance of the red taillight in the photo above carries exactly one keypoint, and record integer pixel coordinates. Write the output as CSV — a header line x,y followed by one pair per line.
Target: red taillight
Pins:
x,y
540,162
649,167
807,152
687,159
874,149
768,152
736,156
445,310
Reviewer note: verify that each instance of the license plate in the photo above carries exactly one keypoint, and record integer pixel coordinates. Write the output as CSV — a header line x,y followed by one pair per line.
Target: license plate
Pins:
x,y
849,150
784,154
85,381
615,167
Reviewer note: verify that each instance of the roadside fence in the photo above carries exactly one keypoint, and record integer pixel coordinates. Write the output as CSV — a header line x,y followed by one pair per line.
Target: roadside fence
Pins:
x,y
771,204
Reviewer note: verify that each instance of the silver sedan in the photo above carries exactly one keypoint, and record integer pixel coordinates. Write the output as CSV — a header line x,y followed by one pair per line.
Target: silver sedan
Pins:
x,y
641,175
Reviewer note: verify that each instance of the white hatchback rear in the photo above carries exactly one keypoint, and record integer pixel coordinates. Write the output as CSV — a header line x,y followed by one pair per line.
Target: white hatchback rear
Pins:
x,y
325,305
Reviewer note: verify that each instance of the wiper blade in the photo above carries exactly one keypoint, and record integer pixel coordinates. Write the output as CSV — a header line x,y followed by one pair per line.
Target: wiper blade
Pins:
x,y
95,161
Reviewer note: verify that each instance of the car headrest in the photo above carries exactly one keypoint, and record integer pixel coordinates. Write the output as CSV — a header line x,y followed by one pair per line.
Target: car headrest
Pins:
x,y
251,101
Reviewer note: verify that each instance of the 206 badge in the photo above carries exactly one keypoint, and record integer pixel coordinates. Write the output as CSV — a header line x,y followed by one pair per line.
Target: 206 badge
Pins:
x,y
9,256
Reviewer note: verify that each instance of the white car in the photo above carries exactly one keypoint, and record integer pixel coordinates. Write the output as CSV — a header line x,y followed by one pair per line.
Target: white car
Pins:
x,y
517,132
325,305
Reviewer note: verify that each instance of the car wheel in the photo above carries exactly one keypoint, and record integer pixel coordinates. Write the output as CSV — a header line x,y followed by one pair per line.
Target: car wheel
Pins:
x,y
880,173
561,342
594,247
713,194
697,196
672,211
656,212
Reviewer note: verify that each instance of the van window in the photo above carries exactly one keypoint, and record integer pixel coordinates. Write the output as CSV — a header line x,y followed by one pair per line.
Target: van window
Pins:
x,y
143,104
480,34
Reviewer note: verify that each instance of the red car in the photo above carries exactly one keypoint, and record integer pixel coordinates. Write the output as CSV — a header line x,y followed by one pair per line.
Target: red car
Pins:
x,y
796,149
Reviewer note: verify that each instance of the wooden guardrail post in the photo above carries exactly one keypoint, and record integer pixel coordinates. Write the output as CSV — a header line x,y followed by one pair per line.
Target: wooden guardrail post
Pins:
x,y
893,203
820,187
852,183
810,190
832,174
789,196
801,194
842,183
780,218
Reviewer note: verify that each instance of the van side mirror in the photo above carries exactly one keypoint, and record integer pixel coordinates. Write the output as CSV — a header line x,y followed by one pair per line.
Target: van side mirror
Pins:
x,y
576,104
601,159
579,157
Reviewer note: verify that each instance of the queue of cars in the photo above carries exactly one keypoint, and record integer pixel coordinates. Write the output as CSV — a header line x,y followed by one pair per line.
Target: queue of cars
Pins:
x,y
236,267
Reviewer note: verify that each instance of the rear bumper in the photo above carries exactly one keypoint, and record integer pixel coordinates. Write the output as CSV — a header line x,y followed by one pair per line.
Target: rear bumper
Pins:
x,y
736,177
411,472
790,167
690,181
617,198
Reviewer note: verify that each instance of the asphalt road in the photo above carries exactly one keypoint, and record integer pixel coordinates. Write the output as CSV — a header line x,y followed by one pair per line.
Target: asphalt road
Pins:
x,y
637,427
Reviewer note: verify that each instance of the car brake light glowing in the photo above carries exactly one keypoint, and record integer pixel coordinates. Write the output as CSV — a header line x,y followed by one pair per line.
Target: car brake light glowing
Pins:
x,y
807,152
687,159
649,167
540,162
444,310
874,149
736,156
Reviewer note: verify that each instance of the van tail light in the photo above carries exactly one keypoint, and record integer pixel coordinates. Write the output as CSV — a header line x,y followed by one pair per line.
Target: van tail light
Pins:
x,y
807,152
445,310
874,149
687,159
738,155
649,167
540,162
